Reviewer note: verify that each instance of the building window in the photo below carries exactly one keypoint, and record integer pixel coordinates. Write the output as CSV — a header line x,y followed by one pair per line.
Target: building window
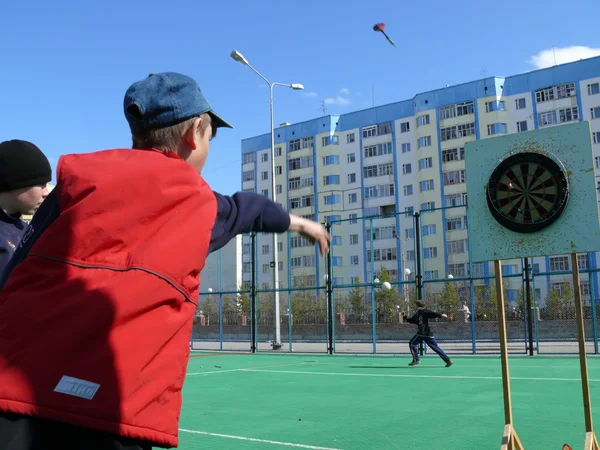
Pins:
x,y
521,103
408,190
430,229
307,142
248,158
522,126
426,185
496,128
352,198
425,163
495,105
265,249
265,193
353,239
595,112
353,218
278,170
264,175
330,140
248,175
354,260
559,263
294,145
424,141
331,159
277,151
351,178
332,199
331,179
404,127
458,109
409,233
454,177
430,252
568,114
351,157
453,154
596,137
593,88
406,169
547,118
350,138
406,147
427,206
378,150
278,189
423,120
264,157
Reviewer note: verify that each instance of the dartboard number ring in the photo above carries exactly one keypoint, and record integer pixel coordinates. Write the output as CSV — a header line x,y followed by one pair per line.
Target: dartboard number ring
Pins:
x,y
527,192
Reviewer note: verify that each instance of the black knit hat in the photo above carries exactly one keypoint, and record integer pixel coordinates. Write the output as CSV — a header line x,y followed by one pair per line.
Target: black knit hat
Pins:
x,y
22,165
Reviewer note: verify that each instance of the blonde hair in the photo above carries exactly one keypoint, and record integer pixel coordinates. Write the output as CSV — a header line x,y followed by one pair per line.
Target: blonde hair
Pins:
x,y
168,138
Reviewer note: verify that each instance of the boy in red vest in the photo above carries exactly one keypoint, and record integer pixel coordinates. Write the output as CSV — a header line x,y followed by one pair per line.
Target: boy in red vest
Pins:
x,y
98,300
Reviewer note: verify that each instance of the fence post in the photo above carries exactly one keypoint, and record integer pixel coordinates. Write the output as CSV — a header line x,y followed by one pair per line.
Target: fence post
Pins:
x,y
419,273
330,314
253,294
373,307
529,306
592,303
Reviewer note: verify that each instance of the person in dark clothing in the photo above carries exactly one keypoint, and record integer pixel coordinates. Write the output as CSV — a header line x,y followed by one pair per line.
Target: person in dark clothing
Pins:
x,y
24,173
425,333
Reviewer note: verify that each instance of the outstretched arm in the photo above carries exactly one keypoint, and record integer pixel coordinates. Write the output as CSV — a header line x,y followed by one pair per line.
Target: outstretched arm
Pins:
x,y
433,314
245,212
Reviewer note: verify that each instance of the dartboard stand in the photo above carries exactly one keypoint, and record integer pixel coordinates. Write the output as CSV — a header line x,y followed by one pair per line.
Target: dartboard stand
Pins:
x,y
510,439
534,194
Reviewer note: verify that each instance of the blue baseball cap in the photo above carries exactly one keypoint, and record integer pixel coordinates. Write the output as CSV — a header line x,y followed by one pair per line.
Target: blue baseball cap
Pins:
x,y
165,99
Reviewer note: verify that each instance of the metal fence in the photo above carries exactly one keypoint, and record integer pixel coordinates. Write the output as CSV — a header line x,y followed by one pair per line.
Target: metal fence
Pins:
x,y
345,310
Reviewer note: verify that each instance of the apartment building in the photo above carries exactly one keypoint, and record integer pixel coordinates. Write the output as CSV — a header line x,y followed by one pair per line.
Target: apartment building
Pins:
x,y
405,157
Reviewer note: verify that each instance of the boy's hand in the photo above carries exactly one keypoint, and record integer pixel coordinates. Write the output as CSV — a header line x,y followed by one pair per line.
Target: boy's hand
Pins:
x,y
311,230
445,316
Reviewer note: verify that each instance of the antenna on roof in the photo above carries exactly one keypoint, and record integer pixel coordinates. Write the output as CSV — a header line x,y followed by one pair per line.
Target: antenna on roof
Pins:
x,y
323,107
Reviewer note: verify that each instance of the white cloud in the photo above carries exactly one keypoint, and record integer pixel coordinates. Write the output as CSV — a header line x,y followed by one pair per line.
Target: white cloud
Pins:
x,y
546,58
345,91
337,101
311,94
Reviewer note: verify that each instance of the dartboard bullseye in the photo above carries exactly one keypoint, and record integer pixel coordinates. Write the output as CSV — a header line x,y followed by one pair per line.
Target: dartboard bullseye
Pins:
x,y
527,192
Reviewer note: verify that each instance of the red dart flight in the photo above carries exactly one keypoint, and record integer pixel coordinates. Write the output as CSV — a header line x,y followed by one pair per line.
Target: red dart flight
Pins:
x,y
380,27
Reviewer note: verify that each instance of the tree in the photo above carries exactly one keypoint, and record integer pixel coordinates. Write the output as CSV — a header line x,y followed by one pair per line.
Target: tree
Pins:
x,y
356,299
208,308
449,300
244,306
385,301
230,313
308,307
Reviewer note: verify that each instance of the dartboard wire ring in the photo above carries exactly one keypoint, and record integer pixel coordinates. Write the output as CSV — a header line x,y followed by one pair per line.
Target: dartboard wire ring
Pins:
x,y
524,209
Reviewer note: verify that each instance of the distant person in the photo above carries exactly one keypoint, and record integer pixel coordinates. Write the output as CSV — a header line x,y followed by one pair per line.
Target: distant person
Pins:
x,y
98,302
24,173
425,333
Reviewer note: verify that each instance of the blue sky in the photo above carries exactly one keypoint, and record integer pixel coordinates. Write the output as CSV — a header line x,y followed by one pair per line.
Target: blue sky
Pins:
x,y
66,64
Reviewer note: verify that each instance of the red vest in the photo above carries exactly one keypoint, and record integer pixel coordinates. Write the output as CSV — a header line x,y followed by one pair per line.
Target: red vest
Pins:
x,y
95,323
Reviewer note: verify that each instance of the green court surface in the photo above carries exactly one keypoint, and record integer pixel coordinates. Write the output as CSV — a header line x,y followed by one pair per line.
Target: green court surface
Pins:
x,y
377,402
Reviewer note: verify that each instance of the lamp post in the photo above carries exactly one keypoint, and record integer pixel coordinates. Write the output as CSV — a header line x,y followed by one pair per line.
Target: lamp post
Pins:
x,y
237,56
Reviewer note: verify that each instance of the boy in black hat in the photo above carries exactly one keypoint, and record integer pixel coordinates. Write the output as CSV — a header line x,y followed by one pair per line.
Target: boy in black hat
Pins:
x,y
24,172
425,333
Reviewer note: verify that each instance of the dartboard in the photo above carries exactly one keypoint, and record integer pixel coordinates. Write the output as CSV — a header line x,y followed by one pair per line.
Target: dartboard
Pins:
x,y
528,192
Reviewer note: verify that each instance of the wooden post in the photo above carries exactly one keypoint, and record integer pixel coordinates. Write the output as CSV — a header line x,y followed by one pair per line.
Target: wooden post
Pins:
x,y
510,439
591,443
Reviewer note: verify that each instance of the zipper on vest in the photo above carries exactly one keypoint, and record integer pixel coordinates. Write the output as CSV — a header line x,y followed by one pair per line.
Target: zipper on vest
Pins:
x,y
117,269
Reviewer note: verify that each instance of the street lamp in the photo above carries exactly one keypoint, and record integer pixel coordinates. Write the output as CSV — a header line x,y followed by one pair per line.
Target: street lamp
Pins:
x,y
237,56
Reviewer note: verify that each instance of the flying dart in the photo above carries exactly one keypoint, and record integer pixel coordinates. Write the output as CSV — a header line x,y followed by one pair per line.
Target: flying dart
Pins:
x,y
380,27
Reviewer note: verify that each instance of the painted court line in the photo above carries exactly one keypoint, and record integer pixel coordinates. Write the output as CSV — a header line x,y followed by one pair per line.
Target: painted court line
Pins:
x,y
250,368
262,441
458,377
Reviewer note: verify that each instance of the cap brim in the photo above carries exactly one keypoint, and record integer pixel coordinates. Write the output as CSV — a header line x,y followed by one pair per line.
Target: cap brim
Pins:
x,y
218,121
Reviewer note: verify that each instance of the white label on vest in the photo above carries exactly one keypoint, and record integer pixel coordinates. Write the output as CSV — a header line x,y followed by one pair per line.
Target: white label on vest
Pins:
x,y
76,387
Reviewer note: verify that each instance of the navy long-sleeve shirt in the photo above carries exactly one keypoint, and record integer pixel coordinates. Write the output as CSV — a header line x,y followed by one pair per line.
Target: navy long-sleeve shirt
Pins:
x,y
421,319
11,230
241,213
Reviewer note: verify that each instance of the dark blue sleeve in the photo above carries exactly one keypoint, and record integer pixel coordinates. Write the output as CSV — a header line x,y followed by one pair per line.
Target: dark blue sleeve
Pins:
x,y
245,212
45,215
